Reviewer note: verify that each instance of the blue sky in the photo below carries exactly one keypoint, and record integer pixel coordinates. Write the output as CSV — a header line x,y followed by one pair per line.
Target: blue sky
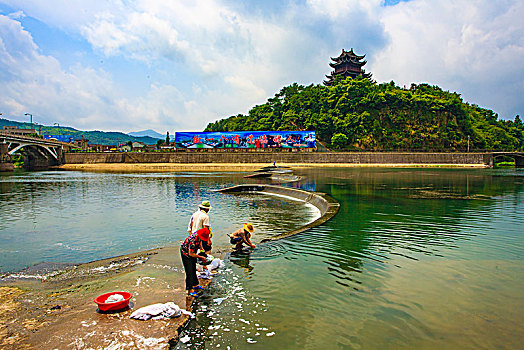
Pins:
x,y
124,65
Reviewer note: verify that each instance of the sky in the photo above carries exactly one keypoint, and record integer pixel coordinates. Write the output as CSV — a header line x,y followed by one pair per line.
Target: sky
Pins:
x,y
176,65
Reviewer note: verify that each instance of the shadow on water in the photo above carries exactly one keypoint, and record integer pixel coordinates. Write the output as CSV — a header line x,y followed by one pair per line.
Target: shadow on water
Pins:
x,y
242,258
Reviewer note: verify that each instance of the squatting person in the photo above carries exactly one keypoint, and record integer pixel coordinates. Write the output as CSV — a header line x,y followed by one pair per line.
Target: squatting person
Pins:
x,y
242,235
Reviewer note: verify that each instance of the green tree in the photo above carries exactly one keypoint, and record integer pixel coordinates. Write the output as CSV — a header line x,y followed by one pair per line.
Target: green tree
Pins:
x,y
339,141
381,117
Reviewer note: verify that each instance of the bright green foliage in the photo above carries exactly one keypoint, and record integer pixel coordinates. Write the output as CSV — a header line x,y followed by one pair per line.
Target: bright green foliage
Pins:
x,y
358,114
339,141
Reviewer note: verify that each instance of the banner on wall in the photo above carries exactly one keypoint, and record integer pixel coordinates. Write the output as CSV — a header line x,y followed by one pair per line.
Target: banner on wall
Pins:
x,y
63,138
246,139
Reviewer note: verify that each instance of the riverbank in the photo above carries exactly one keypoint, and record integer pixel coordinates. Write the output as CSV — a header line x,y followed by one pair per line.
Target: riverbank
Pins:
x,y
237,167
57,311
247,160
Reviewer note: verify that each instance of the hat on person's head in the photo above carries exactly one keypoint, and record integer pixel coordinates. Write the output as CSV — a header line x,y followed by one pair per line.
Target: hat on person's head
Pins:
x,y
203,234
249,227
205,205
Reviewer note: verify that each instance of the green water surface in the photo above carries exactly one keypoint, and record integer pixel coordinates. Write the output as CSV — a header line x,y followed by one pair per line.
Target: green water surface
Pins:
x,y
415,259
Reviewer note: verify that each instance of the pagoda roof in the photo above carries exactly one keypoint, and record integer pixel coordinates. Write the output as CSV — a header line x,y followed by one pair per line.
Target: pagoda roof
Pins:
x,y
355,62
345,55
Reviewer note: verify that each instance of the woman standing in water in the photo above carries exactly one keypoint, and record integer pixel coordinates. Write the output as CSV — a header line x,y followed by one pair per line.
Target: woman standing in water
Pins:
x,y
188,251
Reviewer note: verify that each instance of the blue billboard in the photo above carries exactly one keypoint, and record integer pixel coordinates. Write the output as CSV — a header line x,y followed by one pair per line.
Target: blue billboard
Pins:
x,y
245,139
63,138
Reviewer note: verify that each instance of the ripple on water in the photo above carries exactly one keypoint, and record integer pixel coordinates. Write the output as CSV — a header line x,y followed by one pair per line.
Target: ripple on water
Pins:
x,y
227,313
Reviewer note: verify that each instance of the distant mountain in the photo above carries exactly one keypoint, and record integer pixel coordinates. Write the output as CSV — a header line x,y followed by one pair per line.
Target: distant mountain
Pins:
x,y
148,132
93,137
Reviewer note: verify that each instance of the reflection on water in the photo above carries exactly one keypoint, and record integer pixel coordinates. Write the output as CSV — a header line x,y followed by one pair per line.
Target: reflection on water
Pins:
x,y
417,258
74,217
242,259
224,316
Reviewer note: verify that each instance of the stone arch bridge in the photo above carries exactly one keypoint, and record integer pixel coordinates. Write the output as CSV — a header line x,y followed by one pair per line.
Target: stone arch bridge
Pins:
x,y
518,156
38,153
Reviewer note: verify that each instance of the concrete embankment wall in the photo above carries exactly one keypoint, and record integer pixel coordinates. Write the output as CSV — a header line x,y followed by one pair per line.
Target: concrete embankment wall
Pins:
x,y
196,157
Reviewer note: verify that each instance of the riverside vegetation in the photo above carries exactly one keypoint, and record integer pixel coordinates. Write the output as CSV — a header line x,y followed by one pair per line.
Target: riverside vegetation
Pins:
x,y
361,115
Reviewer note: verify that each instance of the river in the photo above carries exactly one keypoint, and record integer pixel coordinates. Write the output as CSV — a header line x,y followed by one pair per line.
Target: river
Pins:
x,y
415,258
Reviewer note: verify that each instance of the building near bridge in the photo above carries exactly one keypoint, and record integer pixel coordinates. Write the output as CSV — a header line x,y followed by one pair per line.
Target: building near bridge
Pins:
x,y
100,147
137,145
348,64
82,144
13,130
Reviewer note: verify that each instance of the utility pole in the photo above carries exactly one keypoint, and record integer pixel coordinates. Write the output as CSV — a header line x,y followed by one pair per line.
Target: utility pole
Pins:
x,y
29,114
58,130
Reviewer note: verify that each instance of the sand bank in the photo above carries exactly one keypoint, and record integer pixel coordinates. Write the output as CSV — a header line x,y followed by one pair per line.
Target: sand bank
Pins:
x,y
58,312
240,167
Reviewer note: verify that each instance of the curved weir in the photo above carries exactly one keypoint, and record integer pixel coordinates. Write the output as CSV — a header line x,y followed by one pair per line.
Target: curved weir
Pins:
x,y
327,206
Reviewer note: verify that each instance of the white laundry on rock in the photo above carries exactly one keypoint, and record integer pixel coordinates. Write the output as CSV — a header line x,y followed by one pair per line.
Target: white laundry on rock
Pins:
x,y
187,313
204,274
157,311
215,264
114,298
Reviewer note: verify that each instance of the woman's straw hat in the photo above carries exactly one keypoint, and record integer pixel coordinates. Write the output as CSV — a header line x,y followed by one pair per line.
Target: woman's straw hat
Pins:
x,y
205,205
249,227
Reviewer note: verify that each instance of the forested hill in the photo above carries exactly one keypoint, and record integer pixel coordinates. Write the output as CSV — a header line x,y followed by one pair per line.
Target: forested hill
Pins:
x,y
357,114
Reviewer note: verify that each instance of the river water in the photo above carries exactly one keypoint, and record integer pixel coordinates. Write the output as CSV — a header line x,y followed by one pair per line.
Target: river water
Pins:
x,y
415,258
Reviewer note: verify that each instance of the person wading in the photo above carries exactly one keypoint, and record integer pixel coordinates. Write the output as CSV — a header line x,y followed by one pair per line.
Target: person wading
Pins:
x,y
200,218
188,252
242,235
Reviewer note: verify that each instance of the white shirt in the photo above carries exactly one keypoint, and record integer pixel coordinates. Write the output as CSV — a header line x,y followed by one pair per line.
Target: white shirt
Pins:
x,y
198,220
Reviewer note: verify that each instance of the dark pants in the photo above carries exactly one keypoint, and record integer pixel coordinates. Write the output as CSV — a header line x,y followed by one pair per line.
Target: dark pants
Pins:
x,y
190,269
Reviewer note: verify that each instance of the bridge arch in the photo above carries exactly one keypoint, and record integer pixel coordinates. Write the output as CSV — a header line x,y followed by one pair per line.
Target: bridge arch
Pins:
x,y
38,153
517,156
39,148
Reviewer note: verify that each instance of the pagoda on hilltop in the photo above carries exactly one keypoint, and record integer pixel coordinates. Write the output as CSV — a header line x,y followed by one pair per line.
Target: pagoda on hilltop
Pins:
x,y
348,64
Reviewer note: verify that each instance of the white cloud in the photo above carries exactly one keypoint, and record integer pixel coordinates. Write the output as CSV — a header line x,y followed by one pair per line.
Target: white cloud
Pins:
x,y
341,9
81,97
217,59
475,48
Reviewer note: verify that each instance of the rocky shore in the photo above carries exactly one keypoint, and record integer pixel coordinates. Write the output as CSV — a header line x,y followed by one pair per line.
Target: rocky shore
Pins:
x,y
57,311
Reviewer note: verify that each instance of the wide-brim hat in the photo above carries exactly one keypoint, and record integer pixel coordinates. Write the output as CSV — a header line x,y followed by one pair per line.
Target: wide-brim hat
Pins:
x,y
249,227
205,205
203,234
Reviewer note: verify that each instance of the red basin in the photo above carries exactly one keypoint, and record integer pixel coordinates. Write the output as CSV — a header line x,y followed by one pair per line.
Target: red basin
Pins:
x,y
103,306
